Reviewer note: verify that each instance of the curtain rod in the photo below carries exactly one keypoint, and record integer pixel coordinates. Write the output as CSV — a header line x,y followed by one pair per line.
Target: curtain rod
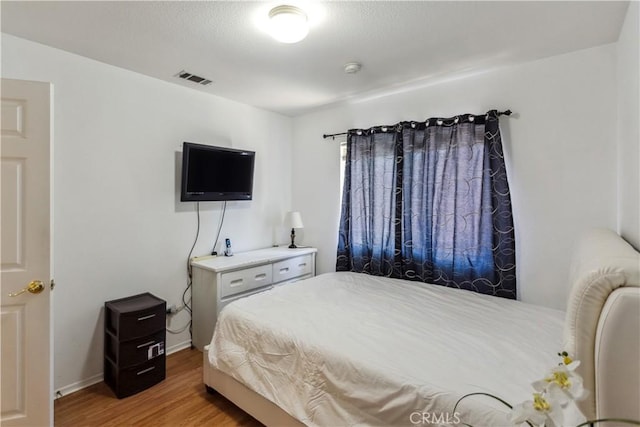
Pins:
x,y
333,135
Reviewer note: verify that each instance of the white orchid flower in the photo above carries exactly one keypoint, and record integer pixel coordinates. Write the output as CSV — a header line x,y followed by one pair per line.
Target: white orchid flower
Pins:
x,y
554,398
541,411
563,383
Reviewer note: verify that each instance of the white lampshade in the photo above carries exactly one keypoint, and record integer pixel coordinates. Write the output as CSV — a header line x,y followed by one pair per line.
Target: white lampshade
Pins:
x,y
294,220
288,24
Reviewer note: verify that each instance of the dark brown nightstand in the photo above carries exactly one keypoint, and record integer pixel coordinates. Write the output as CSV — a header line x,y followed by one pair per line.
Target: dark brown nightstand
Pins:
x,y
134,338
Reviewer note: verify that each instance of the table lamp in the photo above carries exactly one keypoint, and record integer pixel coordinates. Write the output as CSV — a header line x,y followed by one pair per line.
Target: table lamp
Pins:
x,y
294,220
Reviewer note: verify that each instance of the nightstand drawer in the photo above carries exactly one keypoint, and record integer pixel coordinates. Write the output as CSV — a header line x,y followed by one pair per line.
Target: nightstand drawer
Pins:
x,y
290,268
131,380
134,352
142,323
135,317
239,281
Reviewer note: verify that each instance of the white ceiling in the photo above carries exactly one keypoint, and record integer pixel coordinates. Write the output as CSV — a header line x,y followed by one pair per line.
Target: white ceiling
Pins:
x,y
398,42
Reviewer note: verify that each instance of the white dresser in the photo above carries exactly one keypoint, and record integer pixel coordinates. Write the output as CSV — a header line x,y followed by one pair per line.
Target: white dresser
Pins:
x,y
219,280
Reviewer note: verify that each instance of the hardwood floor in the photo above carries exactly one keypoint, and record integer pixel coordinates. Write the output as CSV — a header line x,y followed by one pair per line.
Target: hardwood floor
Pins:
x,y
179,400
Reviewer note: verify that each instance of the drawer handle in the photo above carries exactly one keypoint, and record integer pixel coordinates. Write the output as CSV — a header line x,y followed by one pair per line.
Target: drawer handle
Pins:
x,y
146,344
261,276
284,270
304,264
236,282
144,371
146,317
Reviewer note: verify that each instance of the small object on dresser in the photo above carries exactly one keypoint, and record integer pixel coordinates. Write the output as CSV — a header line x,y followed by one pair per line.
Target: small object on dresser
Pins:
x,y
227,248
134,338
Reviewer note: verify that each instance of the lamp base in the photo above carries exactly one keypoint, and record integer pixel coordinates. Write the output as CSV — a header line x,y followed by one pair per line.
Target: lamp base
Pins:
x,y
293,238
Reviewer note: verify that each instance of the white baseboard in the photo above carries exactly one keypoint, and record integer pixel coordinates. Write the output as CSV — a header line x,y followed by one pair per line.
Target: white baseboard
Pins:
x,y
79,385
177,347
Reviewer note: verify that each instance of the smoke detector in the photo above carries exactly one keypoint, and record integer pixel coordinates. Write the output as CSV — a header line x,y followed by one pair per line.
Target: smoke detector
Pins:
x,y
185,75
352,67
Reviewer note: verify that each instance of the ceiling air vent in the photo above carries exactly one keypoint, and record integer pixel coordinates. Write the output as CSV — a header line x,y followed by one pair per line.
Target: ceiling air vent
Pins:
x,y
185,75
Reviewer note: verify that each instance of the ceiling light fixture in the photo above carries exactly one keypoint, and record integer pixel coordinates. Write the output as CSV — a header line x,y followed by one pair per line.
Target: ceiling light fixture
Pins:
x,y
288,24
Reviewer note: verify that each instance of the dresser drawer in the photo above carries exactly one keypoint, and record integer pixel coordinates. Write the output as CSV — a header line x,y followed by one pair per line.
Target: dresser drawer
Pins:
x,y
128,381
135,317
142,323
239,281
134,352
290,268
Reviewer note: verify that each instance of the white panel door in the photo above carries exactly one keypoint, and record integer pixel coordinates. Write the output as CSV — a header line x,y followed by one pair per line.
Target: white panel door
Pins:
x,y
26,398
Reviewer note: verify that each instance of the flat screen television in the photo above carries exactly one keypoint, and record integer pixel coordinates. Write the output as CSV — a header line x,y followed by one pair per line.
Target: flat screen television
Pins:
x,y
216,173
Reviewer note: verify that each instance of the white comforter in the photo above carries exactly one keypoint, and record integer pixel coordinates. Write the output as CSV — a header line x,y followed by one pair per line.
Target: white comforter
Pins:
x,y
345,349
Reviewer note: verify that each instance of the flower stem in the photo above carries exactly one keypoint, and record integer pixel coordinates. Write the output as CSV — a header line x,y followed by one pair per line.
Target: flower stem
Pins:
x,y
489,395
612,420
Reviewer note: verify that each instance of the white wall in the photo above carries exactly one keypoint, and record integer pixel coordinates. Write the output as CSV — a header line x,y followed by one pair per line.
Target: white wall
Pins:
x,y
560,148
628,127
118,229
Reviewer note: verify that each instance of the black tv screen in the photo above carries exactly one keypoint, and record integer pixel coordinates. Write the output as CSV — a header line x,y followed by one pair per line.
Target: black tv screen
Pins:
x,y
216,173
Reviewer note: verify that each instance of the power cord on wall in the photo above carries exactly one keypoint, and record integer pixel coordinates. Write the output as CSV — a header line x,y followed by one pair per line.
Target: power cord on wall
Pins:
x,y
181,330
215,244
186,302
191,251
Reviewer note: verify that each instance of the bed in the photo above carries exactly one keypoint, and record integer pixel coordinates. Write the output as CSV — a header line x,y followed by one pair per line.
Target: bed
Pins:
x,y
346,349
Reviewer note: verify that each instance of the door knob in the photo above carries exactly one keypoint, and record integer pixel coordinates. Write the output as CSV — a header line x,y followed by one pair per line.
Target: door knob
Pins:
x,y
35,287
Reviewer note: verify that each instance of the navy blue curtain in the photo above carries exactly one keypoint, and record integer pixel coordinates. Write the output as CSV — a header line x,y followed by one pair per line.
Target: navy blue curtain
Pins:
x,y
429,201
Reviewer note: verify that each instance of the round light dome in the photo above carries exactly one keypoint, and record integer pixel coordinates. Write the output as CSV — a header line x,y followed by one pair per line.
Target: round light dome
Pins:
x,y
288,24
